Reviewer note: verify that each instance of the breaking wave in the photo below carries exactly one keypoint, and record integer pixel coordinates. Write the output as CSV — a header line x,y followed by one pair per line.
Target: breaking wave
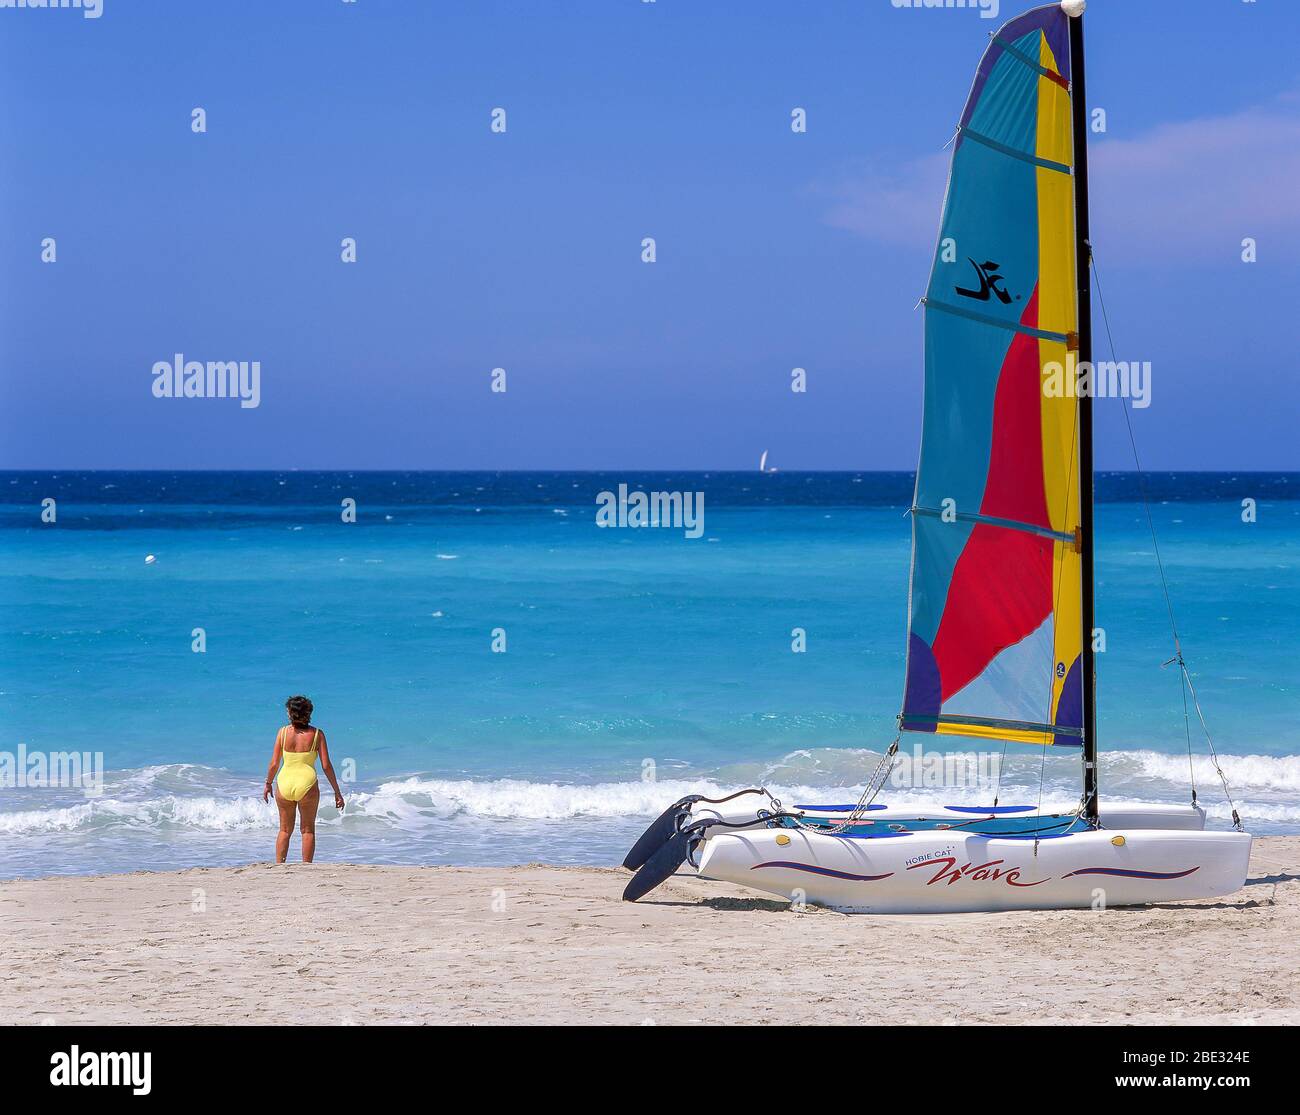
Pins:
x,y
196,799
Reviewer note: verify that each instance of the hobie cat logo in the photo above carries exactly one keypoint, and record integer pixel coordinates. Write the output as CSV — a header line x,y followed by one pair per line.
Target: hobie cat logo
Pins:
x,y
990,282
989,872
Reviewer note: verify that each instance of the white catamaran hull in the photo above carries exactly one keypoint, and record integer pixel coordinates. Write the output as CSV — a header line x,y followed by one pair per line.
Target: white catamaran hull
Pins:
x,y
1114,814
946,872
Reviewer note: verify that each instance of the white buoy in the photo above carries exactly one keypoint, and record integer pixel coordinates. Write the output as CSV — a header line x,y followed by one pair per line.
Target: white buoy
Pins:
x,y
149,559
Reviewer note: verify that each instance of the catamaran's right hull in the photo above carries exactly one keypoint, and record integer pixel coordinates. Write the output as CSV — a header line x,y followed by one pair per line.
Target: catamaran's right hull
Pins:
x,y
1119,815
939,872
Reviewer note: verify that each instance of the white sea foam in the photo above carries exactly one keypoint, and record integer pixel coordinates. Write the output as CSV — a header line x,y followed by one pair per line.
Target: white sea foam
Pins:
x,y
196,813
191,798
1244,772
514,798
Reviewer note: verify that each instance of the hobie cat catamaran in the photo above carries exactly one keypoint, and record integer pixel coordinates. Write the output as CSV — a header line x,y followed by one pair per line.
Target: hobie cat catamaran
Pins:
x,y
1002,559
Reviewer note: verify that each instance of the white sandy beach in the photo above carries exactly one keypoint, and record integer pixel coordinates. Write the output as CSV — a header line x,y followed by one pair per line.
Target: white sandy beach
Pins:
x,y
343,944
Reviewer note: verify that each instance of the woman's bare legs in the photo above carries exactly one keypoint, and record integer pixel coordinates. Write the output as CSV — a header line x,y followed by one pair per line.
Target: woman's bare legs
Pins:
x,y
307,822
287,809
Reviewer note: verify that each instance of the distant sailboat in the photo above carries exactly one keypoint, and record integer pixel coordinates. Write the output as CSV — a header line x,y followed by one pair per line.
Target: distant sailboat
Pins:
x,y
1002,561
762,463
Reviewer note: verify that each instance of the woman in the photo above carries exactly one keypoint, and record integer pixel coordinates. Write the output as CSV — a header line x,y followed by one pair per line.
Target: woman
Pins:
x,y
296,789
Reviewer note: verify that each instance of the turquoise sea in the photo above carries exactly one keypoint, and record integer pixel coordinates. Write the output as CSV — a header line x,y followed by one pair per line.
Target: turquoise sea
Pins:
x,y
638,664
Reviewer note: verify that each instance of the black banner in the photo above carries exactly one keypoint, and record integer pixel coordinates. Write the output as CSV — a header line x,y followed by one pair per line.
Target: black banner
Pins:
x,y
371,1062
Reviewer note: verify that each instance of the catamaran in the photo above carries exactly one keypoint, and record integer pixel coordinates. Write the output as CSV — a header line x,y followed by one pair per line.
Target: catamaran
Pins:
x,y
1002,560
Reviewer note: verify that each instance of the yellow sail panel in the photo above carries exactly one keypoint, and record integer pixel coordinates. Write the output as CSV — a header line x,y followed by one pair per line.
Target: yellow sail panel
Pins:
x,y
1057,311
996,731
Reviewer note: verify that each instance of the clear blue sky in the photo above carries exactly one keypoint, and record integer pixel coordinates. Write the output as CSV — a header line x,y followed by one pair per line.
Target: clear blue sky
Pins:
x,y
625,120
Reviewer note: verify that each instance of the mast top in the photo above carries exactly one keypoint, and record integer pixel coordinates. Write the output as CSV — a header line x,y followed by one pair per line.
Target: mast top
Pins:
x,y
1073,8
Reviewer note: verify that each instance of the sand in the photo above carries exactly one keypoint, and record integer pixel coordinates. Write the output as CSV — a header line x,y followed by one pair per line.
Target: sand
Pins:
x,y
346,944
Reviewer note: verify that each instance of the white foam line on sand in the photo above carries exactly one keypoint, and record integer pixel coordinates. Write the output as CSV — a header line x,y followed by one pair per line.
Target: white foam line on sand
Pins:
x,y
338,944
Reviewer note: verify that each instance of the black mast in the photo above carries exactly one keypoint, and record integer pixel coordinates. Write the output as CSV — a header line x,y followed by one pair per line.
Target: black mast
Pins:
x,y
1082,255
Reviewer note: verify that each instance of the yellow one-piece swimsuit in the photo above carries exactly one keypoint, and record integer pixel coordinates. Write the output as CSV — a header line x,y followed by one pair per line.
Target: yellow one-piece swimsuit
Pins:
x,y
298,773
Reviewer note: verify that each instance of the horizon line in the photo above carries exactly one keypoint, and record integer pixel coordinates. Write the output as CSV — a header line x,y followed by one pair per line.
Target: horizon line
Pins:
x,y
627,468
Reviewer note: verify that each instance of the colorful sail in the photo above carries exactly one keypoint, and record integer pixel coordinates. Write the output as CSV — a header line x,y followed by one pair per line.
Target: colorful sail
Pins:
x,y
995,630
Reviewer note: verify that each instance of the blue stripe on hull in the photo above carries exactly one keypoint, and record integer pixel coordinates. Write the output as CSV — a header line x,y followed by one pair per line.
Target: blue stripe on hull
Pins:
x,y
1125,874
827,871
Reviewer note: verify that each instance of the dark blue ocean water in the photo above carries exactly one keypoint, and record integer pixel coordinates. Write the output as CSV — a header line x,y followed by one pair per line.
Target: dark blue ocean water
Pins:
x,y
627,651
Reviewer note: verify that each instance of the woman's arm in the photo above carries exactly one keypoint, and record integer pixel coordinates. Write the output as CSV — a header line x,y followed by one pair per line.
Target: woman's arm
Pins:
x,y
275,764
328,768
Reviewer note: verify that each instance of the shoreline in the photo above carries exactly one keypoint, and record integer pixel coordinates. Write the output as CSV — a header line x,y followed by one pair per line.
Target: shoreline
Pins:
x,y
342,944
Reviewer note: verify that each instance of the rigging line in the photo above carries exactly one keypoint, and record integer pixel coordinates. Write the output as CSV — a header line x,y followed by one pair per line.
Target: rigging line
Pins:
x,y
1164,583
1155,545
1187,726
1142,490
1214,757
1042,774
874,785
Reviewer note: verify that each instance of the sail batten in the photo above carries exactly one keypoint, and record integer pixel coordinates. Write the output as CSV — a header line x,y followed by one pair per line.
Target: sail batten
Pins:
x,y
1015,327
1009,524
1021,727
1003,149
1051,75
995,616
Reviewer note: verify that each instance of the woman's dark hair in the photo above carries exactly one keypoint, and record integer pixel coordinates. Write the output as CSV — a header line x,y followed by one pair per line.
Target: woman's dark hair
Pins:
x,y
299,711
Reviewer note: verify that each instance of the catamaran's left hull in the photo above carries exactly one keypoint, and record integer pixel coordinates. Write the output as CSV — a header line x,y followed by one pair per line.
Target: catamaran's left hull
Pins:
x,y
939,872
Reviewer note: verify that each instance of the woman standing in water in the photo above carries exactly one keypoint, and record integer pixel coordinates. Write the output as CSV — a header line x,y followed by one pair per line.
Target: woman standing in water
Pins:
x,y
296,788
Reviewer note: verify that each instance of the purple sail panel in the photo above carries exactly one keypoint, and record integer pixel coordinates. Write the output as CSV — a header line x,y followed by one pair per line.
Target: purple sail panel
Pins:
x,y
1050,20
923,696
1069,709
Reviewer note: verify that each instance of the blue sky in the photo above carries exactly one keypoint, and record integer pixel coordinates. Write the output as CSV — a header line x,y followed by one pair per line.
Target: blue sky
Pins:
x,y
522,250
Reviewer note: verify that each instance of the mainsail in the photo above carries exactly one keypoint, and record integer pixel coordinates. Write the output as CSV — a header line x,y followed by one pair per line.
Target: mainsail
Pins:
x,y
995,618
